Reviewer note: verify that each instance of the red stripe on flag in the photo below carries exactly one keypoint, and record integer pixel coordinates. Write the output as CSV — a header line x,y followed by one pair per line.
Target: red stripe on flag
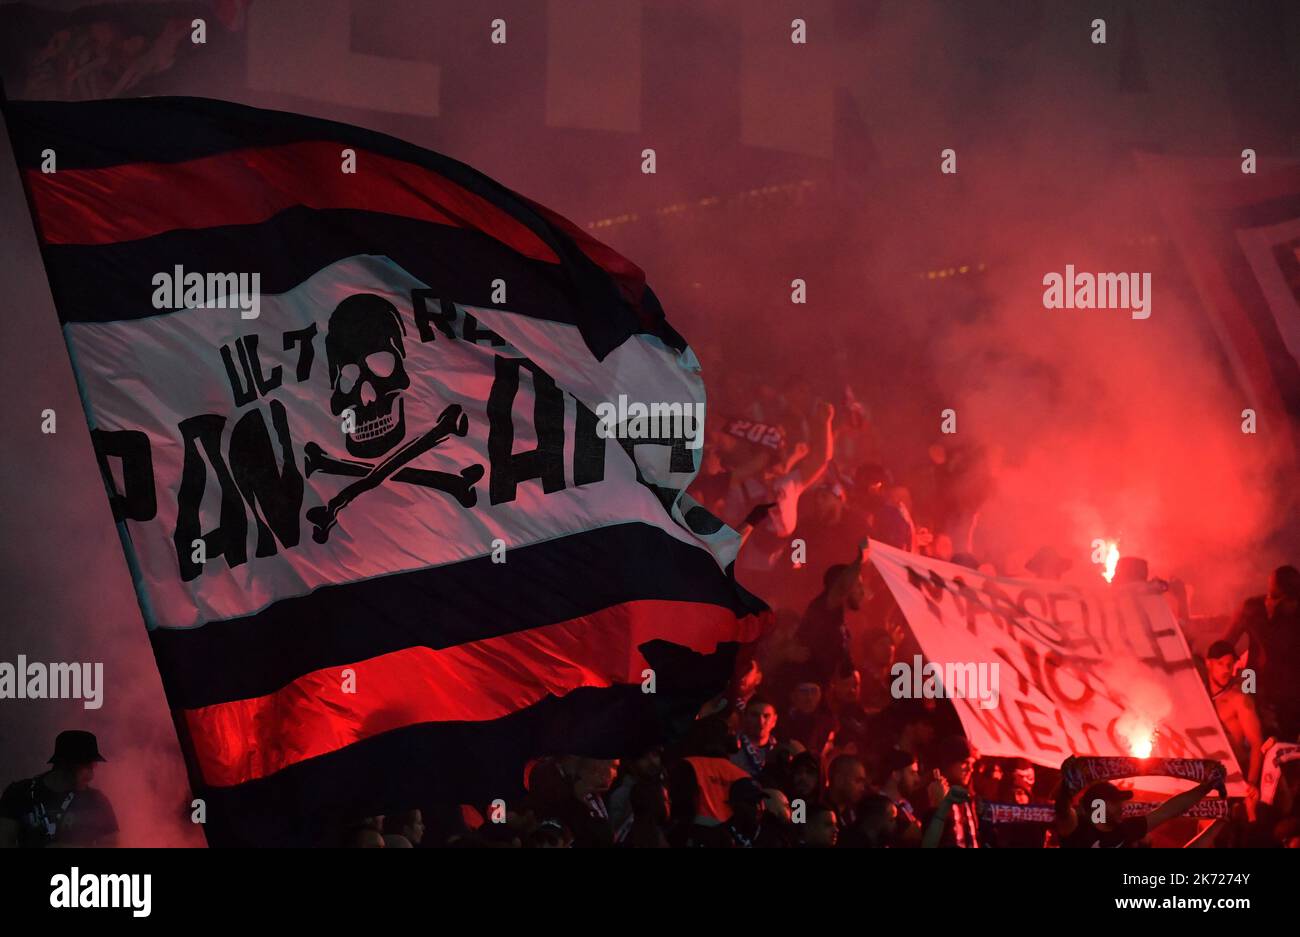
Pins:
x,y
629,277
240,187
479,681
604,256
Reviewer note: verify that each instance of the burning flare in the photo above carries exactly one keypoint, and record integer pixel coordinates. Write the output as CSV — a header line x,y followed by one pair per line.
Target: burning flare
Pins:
x,y
1112,560
1138,732
1140,737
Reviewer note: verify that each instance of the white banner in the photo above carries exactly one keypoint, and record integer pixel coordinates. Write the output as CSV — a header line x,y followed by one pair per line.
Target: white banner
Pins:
x,y
1273,253
1042,670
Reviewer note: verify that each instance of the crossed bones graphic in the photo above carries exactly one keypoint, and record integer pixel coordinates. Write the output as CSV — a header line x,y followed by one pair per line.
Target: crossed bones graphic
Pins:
x,y
452,422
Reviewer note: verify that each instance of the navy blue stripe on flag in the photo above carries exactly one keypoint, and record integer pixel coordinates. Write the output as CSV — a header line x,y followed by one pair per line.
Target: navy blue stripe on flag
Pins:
x,y
447,763
112,282
166,129
437,607
97,134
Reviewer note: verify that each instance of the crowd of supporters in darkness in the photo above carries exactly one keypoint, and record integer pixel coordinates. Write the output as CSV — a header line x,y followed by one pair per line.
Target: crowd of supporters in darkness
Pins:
x,y
808,748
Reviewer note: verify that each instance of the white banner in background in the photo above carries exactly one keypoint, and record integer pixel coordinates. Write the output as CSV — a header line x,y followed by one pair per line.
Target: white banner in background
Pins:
x,y
1096,673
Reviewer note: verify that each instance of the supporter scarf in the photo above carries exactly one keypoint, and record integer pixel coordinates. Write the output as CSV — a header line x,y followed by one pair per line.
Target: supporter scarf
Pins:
x,y
1209,809
756,756
1016,813
1046,813
739,838
1078,773
625,830
596,807
49,827
965,826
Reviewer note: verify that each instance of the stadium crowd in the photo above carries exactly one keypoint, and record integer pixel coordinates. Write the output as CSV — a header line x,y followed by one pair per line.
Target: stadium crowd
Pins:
x,y
810,749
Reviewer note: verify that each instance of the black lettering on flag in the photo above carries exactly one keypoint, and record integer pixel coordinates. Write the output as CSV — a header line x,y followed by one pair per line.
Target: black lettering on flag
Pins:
x,y
1057,628
1052,666
921,584
679,458
700,521
244,393
1088,728
1030,659
264,384
546,462
307,355
255,382
1209,733
1003,610
278,492
471,333
588,447
1042,735
1088,642
1159,640
430,313
997,722
228,539
667,496
974,605
138,502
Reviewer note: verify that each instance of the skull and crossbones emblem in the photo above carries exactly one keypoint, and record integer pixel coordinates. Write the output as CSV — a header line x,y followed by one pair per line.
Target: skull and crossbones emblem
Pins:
x,y
367,371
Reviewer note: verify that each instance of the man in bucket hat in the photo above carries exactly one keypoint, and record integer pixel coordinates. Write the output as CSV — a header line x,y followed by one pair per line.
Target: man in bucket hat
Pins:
x,y
59,807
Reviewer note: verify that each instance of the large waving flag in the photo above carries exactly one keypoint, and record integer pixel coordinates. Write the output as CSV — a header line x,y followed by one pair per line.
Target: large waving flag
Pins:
x,y
344,395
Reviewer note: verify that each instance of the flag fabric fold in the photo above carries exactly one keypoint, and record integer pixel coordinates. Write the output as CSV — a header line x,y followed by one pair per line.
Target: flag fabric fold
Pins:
x,y
385,549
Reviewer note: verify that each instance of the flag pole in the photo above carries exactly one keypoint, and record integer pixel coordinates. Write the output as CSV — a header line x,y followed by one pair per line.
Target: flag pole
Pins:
x,y
182,738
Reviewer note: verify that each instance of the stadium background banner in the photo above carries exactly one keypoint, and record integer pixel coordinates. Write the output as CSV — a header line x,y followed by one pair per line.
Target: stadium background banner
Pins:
x,y
1079,673
1239,239
355,618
